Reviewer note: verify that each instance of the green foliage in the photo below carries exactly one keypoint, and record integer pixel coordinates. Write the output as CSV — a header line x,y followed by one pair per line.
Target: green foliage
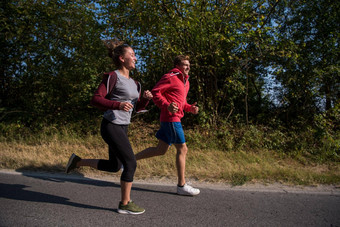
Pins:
x,y
225,40
234,46
308,64
326,133
321,143
52,58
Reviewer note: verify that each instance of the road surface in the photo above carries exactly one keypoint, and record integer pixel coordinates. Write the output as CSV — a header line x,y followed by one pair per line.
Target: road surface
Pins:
x,y
38,199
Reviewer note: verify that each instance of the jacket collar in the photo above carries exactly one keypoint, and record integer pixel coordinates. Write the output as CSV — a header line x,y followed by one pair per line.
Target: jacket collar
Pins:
x,y
179,74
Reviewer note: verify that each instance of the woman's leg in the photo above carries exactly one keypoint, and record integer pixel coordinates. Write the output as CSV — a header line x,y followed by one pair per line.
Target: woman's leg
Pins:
x,y
120,153
88,162
125,191
111,165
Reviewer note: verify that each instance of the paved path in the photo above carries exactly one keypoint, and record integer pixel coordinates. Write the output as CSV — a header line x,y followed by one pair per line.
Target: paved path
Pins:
x,y
33,199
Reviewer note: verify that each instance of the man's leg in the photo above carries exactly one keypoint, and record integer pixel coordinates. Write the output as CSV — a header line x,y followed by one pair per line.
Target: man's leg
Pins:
x,y
182,187
161,149
182,151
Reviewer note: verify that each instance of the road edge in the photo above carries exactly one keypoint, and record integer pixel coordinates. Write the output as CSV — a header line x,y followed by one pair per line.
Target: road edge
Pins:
x,y
248,187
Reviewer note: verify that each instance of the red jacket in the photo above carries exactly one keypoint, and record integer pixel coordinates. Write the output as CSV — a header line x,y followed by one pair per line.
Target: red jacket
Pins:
x,y
172,87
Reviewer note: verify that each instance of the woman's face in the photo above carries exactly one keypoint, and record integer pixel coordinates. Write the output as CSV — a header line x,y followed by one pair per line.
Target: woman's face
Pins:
x,y
129,59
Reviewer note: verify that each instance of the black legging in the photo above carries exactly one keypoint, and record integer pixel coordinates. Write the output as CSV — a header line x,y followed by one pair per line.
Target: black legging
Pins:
x,y
120,151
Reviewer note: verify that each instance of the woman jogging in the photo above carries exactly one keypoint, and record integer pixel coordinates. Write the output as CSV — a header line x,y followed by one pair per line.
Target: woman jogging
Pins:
x,y
118,94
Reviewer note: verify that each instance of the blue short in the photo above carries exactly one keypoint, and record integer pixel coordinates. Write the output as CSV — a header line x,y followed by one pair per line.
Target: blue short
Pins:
x,y
171,132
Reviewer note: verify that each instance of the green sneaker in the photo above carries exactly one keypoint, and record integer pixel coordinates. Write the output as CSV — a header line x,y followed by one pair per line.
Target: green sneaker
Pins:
x,y
130,208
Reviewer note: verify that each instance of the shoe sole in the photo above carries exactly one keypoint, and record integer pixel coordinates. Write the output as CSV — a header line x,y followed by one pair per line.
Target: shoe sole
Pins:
x,y
187,194
67,170
129,212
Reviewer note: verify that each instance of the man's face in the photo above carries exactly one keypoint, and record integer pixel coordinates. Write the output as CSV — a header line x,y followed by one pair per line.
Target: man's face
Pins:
x,y
184,67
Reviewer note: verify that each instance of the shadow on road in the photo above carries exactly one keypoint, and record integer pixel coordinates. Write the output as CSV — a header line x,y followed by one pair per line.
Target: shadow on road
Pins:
x,y
78,178
19,192
23,193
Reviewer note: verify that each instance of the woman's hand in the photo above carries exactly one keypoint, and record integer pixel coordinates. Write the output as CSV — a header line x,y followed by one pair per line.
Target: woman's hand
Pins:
x,y
148,95
125,106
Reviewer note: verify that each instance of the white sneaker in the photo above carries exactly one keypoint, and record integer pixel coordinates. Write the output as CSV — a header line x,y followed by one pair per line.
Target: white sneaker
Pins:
x,y
187,190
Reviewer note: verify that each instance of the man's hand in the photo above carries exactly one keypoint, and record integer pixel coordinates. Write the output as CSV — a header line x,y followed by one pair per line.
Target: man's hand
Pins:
x,y
125,106
173,107
194,109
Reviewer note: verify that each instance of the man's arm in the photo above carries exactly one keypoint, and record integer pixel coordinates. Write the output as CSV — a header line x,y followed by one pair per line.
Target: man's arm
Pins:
x,y
163,84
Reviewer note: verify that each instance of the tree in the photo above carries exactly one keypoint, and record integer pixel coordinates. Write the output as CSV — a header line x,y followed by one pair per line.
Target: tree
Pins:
x,y
50,58
308,66
225,40
53,53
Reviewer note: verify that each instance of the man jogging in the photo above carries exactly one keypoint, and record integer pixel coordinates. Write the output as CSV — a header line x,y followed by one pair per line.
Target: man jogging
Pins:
x,y
170,95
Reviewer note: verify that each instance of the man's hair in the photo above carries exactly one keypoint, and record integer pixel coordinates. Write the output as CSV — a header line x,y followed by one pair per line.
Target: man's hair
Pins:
x,y
178,60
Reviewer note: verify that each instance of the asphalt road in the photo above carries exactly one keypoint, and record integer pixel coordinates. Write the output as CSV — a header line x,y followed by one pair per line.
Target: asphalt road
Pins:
x,y
35,199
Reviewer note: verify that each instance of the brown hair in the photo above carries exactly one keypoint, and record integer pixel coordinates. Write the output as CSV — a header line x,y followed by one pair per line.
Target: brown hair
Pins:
x,y
178,59
115,49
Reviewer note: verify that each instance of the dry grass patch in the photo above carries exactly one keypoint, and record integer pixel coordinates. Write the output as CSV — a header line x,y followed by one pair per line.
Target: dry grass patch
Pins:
x,y
206,165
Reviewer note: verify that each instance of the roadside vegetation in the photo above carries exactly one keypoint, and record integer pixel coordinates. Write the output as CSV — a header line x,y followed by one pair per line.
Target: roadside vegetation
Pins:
x,y
227,154
265,75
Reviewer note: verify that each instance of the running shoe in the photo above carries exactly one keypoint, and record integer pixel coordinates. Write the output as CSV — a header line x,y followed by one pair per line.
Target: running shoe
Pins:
x,y
187,190
130,208
72,163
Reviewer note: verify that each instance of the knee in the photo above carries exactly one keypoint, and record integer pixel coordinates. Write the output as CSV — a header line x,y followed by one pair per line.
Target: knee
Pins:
x,y
162,151
134,165
108,165
183,150
129,171
131,166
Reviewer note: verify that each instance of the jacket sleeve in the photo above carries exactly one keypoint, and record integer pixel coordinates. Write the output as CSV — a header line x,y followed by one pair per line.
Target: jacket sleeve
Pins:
x,y
142,103
163,84
99,100
187,107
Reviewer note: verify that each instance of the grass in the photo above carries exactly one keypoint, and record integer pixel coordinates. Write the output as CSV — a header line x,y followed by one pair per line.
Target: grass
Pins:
x,y
207,160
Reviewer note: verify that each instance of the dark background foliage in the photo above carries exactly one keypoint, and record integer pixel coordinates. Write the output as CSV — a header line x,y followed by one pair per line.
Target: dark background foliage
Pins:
x,y
267,62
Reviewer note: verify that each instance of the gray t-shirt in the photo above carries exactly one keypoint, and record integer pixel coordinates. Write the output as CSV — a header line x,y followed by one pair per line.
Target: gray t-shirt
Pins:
x,y
125,90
